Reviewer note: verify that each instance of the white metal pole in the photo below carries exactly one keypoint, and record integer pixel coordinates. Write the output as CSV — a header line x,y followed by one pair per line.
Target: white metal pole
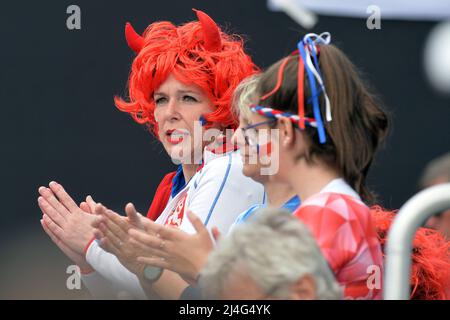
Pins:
x,y
400,237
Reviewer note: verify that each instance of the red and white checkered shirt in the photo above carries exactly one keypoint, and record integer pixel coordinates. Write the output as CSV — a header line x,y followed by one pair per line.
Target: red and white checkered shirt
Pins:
x,y
344,230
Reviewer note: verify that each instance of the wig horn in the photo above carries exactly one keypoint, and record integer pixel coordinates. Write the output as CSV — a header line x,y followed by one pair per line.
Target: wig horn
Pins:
x,y
134,40
211,31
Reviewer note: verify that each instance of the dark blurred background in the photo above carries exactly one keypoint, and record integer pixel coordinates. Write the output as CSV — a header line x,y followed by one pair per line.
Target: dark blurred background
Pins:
x,y
59,121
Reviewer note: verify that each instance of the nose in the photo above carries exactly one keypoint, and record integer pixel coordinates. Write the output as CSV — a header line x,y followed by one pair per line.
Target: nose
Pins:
x,y
171,111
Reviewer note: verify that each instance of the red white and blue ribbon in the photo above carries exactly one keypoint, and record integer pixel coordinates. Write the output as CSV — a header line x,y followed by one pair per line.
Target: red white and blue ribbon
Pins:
x,y
308,61
276,114
308,52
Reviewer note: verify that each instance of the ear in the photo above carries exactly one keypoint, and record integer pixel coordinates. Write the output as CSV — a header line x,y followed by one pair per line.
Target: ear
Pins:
x,y
304,289
287,132
291,136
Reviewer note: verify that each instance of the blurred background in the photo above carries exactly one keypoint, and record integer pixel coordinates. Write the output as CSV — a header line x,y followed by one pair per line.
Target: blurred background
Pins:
x,y
58,120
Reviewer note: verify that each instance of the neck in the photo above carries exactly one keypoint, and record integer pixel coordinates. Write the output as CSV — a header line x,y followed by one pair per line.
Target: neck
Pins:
x,y
189,170
278,193
309,179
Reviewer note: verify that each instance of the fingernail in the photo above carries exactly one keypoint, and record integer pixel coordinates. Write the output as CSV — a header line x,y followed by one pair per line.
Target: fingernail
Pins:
x,y
52,183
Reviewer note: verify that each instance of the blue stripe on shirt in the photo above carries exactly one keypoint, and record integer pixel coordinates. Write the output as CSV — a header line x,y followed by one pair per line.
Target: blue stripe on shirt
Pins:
x,y
220,189
291,205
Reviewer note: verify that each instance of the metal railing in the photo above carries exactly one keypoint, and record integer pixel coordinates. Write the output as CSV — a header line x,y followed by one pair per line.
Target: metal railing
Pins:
x,y
401,234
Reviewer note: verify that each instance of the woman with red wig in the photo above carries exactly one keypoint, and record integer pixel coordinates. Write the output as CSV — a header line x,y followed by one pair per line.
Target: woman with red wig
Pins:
x,y
323,127
180,86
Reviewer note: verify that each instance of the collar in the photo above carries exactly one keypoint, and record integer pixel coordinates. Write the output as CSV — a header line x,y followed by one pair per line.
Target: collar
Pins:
x,y
340,186
217,149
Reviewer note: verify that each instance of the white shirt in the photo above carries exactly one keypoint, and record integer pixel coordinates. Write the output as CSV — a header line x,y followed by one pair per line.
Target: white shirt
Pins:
x,y
217,194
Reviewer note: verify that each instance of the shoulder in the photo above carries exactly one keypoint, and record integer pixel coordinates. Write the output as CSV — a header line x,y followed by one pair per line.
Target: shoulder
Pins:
x,y
223,161
221,167
244,216
223,175
333,206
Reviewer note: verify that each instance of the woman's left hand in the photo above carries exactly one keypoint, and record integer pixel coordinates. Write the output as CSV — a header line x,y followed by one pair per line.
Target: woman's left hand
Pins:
x,y
112,231
173,249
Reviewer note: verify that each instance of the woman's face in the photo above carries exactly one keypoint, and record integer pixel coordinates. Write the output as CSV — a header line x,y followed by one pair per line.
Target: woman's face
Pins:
x,y
256,147
178,108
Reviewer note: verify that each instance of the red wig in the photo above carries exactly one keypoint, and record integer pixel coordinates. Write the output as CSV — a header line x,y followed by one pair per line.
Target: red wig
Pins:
x,y
430,271
196,53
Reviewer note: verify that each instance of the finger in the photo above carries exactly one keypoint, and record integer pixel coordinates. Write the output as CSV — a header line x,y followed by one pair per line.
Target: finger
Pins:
x,y
98,234
146,239
216,234
99,209
142,249
171,233
150,226
85,207
54,215
55,229
52,236
112,237
119,224
98,220
156,262
63,196
61,245
149,243
133,215
109,246
92,204
48,195
196,222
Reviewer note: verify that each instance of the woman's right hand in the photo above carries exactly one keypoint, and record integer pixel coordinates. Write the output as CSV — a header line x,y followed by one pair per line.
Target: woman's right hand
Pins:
x,y
77,258
59,213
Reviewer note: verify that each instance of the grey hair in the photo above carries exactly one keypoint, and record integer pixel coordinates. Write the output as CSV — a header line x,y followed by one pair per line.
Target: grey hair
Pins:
x,y
277,250
244,95
437,168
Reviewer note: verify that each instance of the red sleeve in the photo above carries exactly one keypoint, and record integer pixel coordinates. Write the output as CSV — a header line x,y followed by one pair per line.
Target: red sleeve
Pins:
x,y
161,196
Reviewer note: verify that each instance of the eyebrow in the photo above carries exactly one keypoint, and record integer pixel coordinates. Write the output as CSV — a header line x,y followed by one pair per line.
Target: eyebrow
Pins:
x,y
179,91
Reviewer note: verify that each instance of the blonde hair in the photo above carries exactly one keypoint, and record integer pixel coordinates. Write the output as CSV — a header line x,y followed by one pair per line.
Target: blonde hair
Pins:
x,y
244,95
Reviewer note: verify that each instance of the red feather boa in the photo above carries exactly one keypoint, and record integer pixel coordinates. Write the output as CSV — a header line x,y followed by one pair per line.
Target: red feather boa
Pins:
x,y
430,273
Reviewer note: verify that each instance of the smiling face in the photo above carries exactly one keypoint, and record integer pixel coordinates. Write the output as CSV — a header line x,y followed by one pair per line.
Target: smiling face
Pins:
x,y
250,169
178,108
257,147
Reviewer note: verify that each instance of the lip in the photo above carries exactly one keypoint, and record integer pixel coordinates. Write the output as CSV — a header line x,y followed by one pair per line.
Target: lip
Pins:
x,y
174,136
